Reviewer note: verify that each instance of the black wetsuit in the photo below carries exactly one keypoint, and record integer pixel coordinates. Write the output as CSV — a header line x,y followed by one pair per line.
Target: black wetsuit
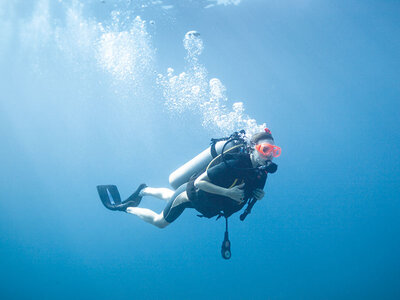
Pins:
x,y
237,170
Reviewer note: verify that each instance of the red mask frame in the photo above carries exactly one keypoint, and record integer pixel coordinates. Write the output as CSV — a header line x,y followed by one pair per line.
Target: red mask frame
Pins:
x,y
265,149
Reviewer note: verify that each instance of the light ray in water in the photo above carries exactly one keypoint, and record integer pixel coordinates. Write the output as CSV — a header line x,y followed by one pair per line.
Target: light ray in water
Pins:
x,y
125,52
123,48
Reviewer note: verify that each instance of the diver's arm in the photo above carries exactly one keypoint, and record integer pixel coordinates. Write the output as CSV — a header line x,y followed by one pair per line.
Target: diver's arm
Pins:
x,y
203,183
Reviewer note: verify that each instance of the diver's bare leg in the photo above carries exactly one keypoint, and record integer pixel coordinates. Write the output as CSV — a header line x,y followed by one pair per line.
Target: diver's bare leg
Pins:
x,y
149,216
160,193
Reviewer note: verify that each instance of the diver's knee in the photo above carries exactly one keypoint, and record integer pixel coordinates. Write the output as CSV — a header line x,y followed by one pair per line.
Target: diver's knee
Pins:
x,y
161,223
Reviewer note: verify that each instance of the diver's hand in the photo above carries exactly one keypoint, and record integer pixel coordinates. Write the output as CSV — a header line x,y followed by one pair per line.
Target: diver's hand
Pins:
x,y
236,193
258,194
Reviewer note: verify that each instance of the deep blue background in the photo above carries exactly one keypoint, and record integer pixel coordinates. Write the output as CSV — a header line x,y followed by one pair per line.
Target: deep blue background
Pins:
x,y
325,78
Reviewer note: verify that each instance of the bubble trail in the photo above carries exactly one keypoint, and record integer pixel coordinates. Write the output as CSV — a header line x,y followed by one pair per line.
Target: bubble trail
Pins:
x,y
192,91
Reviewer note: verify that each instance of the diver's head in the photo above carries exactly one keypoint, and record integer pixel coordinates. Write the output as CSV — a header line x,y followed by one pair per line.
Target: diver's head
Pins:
x,y
263,147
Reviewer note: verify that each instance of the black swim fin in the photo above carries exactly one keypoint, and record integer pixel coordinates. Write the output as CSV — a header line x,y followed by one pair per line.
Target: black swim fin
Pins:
x,y
111,198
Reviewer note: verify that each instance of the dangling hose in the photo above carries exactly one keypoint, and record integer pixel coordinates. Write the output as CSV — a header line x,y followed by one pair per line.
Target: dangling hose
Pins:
x,y
248,209
226,244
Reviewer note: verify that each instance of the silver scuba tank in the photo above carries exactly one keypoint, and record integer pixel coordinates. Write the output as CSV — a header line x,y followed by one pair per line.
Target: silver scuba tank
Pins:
x,y
197,164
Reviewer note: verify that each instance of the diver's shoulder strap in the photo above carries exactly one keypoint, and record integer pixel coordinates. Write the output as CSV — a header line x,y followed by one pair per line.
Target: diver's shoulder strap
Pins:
x,y
214,152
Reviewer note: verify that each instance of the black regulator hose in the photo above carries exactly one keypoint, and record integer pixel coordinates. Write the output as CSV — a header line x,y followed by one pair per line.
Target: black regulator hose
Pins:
x,y
247,211
234,137
226,244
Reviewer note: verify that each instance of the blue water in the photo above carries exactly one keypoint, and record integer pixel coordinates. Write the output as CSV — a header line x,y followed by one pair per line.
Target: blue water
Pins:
x,y
100,92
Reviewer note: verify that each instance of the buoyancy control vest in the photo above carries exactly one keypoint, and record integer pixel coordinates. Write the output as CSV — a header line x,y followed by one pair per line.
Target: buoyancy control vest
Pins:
x,y
213,155
211,205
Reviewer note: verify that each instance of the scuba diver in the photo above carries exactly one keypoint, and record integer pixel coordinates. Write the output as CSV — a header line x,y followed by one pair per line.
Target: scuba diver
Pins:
x,y
217,182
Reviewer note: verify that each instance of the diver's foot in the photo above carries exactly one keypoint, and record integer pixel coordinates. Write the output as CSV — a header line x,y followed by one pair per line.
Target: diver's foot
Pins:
x,y
124,205
134,199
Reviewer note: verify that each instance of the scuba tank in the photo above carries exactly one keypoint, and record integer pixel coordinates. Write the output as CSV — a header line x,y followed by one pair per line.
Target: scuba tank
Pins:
x,y
200,162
